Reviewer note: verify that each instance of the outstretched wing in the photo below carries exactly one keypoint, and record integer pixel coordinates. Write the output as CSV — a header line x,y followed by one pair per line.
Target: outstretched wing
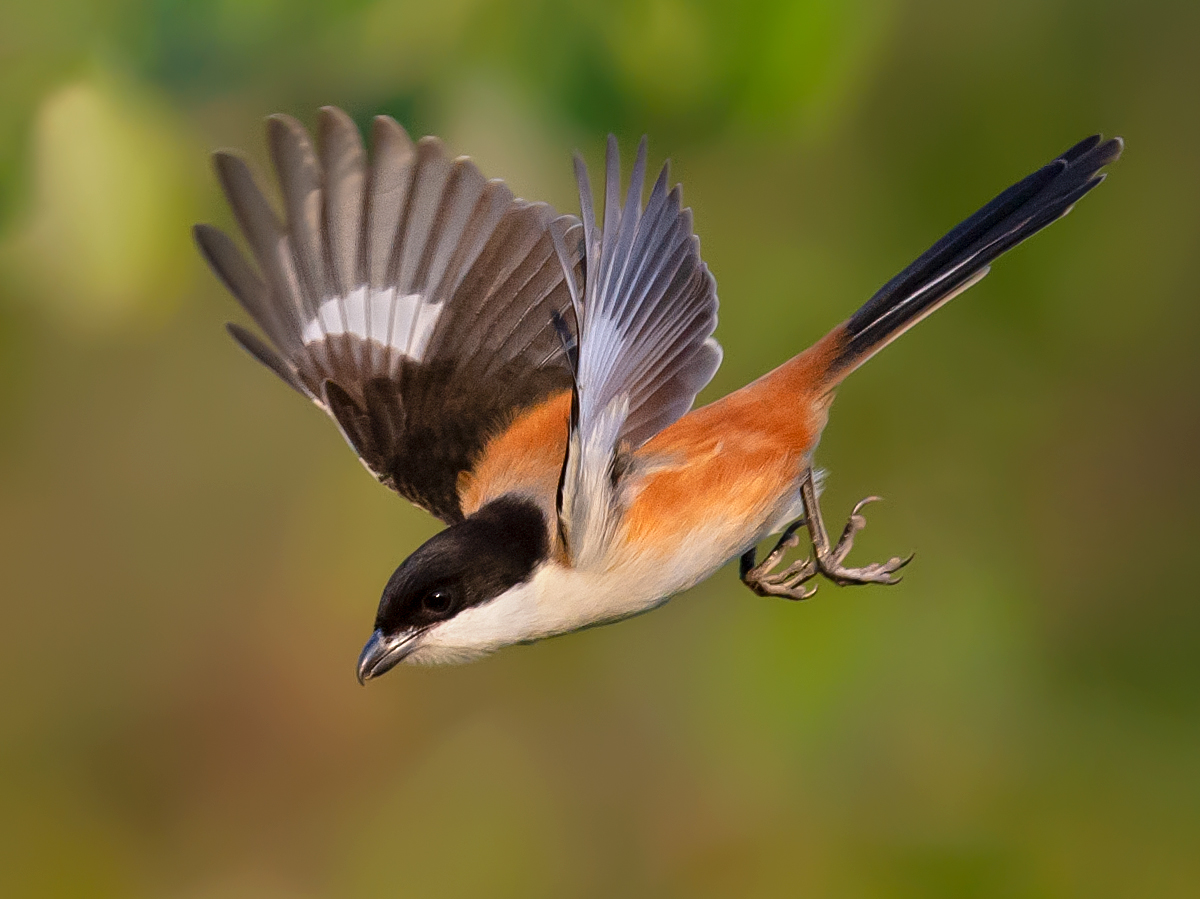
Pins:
x,y
409,297
646,313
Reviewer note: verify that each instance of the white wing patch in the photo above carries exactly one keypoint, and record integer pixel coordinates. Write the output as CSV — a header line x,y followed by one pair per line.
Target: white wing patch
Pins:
x,y
404,322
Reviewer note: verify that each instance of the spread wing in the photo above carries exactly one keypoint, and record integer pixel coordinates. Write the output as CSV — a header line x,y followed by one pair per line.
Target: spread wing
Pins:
x,y
415,301
646,313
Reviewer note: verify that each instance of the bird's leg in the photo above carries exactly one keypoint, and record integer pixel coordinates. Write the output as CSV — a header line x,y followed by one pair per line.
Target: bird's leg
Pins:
x,y
787,583
829,558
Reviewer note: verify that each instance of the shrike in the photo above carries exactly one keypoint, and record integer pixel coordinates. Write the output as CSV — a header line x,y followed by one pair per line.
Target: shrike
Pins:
x,y
527,378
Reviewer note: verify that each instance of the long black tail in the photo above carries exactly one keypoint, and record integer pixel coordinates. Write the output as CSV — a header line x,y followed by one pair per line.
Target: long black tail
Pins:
x,y
961,258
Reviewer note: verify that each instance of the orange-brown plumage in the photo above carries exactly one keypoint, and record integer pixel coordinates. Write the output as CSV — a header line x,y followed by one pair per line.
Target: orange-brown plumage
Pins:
x,y
526,457
743,455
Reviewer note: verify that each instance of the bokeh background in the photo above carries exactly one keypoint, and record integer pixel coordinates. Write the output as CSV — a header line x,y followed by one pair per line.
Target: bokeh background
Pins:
x,y
190,558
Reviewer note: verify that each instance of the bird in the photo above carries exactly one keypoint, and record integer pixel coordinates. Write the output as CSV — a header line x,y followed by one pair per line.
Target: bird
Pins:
x,y
528,377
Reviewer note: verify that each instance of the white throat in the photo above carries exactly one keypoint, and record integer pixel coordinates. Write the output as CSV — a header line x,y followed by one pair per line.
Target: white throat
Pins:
x,y
556,600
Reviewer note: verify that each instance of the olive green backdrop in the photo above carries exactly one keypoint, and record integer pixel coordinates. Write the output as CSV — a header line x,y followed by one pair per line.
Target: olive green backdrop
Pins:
x,y
190,557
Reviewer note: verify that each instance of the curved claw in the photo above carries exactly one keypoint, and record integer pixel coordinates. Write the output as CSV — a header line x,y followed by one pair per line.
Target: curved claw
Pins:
x,y
864,502
799,594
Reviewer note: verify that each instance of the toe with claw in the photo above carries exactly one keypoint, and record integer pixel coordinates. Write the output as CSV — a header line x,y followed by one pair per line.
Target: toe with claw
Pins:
x,y
789,583
830,562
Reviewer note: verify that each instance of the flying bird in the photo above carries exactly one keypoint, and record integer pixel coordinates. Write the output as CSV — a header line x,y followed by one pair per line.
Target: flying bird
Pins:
x,y
528,377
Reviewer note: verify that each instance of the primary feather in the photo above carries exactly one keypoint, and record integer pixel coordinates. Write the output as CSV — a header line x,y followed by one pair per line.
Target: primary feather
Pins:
x,y
407,295
646,312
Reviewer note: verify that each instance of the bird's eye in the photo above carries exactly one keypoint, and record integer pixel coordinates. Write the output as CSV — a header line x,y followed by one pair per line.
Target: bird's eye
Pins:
x,y
437,602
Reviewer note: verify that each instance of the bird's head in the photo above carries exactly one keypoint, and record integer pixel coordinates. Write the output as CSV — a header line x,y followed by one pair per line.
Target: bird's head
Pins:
x,y
454,572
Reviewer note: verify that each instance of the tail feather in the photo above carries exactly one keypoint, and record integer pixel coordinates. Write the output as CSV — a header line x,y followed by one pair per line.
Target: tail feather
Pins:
x,y
962,257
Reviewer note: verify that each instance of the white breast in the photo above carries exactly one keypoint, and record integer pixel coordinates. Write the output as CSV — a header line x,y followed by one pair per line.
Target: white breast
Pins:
x,y
558,599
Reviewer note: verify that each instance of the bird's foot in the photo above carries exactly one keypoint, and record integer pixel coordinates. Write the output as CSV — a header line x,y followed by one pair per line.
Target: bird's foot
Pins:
x,y
787,583
826,559
829,562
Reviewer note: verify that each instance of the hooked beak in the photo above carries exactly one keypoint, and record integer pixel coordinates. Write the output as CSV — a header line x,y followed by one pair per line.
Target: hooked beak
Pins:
x,y
383,652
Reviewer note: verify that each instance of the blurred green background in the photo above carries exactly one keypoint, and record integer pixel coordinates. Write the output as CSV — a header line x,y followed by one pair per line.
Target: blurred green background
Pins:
x,y
191,557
